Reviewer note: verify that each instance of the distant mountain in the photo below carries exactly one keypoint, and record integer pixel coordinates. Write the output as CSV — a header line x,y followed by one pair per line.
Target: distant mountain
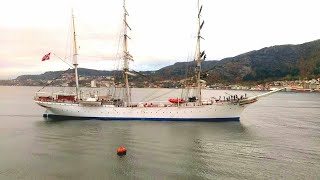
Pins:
x,y
270,63
182,70
56,74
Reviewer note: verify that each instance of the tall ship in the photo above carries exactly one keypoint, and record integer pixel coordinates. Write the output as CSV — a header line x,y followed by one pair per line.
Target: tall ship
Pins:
x,y
190,106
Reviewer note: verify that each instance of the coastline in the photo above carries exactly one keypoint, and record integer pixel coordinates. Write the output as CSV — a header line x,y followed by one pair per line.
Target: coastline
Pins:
x,y
220,89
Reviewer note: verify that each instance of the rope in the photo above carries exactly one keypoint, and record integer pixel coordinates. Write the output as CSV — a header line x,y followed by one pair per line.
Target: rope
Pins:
x,y
63,60
150,99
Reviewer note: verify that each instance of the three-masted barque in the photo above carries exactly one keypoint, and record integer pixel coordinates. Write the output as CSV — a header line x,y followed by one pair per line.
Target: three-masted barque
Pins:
x,y
193,108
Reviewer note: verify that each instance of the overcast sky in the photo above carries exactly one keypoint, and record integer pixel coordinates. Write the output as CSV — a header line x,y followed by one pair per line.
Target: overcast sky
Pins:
x,y
163,31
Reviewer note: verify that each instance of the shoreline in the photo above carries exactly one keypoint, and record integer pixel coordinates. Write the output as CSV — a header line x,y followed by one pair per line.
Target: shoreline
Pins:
x,y
294,91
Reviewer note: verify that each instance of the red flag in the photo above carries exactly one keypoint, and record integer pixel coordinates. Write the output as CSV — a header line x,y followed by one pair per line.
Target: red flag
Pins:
x,y
46,57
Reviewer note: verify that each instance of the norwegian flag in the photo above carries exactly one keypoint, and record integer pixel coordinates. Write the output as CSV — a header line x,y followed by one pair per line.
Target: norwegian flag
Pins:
x,y
46,57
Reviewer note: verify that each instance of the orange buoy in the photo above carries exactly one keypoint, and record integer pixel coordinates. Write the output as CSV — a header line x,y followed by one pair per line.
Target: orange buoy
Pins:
x,y
121,151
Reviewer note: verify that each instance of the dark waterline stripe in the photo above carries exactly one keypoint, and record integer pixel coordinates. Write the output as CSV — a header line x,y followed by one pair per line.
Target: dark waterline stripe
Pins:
x,y
59,117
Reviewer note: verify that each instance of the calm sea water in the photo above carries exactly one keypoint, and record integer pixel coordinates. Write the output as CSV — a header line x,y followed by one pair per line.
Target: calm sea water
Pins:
x,y
277,138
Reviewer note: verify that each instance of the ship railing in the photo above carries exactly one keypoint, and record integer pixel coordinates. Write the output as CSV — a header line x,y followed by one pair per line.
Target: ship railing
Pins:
x,y
43,96
167,104
151,104
55,97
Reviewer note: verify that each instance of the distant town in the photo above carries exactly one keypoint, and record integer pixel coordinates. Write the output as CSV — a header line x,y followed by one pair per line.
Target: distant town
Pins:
x,y
67,80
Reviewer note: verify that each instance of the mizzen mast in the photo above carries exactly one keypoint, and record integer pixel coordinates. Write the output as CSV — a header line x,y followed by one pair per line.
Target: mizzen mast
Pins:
x,y
199,55
126,56
75,57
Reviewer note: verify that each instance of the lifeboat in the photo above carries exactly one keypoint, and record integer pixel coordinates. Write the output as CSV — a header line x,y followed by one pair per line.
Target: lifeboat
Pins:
x,y
176,100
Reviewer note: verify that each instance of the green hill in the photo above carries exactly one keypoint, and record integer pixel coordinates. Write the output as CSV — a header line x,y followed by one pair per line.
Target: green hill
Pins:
x,y
270,63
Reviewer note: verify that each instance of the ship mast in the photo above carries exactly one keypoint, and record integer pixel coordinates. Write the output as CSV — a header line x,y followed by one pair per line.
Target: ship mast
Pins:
x,y
126,56
199,55
75,57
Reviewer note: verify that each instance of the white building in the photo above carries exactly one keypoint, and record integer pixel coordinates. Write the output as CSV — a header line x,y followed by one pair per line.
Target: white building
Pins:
x,y
93,83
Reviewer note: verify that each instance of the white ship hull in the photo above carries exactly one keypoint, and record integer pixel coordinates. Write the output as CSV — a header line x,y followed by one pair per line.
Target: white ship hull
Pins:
x,y
213,112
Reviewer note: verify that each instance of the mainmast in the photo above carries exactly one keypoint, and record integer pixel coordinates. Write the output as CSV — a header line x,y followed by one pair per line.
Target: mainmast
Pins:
x,y
126,56
75,60
199,55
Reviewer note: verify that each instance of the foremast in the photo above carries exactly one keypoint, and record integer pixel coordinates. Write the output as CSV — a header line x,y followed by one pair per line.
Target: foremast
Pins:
x,y
199,55
125,55
75,57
